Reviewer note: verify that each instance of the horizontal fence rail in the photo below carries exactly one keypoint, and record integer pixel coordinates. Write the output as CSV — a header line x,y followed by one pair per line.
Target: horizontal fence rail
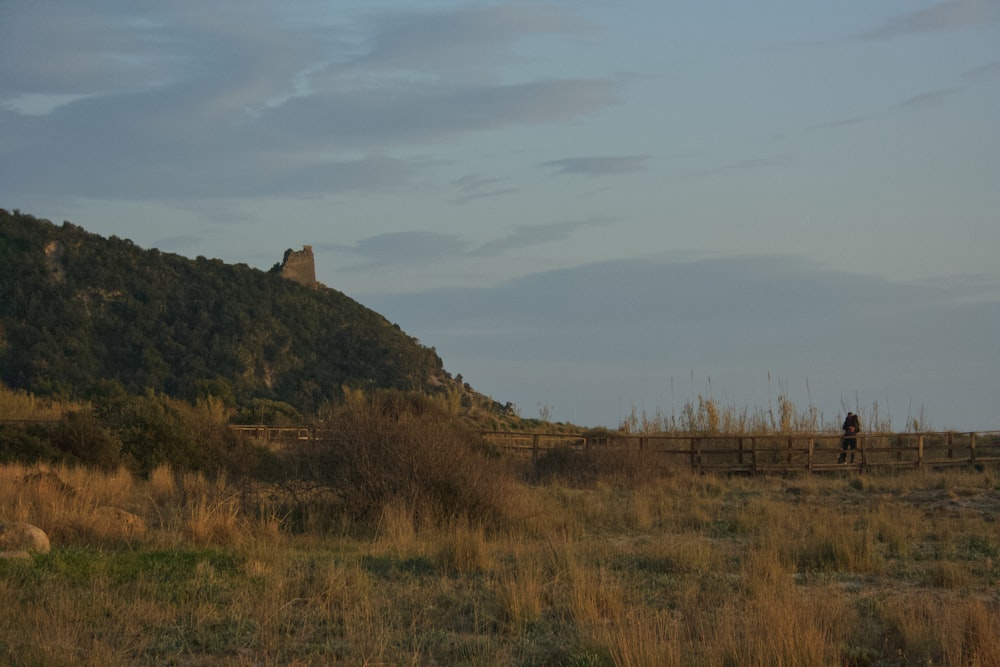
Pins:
x,y
773,452
732,453
736,453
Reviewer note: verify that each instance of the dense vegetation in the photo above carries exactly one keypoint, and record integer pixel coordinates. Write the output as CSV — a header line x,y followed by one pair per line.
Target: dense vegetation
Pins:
x,y
78,311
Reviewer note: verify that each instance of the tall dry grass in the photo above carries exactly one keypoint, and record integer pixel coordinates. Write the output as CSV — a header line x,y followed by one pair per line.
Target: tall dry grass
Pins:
x,y
17,404
707,415
687,570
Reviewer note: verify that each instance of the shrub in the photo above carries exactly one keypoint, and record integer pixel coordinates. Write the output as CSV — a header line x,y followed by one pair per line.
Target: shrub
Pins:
x,y
82,437
393,446
156,430
629,468
27,443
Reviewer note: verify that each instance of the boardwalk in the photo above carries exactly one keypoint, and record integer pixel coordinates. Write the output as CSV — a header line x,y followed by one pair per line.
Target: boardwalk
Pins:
x,y
751,454
760,453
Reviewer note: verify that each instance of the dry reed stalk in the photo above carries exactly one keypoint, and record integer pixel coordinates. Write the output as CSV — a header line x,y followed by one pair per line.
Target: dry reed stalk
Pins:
x,y
114,488
17,404
162,484
396,531
461,547
946,629
520,596
595,597
208,520
777,627
641,637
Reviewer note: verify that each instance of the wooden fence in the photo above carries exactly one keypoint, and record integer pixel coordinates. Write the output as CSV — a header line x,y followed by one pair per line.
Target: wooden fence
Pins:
x,y
751,454
761,453
276,435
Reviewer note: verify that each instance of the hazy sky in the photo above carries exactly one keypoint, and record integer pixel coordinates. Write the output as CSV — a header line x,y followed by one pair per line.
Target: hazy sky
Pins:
x,y
584,206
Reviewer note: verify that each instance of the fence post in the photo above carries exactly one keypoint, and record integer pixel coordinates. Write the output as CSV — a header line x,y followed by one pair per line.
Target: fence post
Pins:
x,y
809,460
534,446
920,450
951,454
972,448
695,455
753,454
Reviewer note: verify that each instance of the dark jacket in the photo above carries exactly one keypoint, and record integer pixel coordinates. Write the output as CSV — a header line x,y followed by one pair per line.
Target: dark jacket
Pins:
x,y
852,425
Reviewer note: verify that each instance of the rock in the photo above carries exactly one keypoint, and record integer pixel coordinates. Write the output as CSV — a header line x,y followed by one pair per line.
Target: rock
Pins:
x,y
23,537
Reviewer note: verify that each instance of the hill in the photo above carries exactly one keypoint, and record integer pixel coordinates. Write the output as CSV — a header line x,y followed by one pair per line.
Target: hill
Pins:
x,y
78,310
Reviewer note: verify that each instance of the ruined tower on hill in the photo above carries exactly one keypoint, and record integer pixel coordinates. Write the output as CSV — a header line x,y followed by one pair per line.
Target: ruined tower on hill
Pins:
x,y
298,266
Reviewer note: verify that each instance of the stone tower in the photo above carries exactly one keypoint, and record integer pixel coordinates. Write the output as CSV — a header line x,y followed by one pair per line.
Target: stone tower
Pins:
x,y
298,266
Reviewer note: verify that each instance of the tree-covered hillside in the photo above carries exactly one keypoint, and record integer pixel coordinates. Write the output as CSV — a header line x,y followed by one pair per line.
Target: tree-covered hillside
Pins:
x,y
78,310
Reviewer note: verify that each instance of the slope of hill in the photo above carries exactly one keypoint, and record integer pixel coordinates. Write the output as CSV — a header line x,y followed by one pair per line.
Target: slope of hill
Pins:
x,y
77,309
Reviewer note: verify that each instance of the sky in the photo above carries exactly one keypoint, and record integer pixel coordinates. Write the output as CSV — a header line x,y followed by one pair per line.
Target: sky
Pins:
x,y
587,208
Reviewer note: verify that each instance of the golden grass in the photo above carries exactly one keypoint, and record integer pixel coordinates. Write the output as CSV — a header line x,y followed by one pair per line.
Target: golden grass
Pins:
x,y
17,404
692,570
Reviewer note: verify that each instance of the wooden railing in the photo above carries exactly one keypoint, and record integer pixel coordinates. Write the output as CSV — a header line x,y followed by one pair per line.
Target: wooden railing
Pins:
x,y
277,434
753,453
774,452
747,453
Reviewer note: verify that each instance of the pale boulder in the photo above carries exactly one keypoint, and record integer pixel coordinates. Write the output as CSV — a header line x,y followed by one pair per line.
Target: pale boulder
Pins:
x,y
23,537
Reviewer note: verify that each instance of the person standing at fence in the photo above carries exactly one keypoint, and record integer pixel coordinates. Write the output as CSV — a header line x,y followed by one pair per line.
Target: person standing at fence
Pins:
x,y
849,442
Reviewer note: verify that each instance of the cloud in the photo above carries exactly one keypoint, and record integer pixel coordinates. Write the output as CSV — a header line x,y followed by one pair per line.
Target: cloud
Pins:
x,y
527,236
590,335
65,48
429,41
948,15
419,112
474,186
748,164
766,291
422,247
929,99
401,248
190,100
599,165
983,72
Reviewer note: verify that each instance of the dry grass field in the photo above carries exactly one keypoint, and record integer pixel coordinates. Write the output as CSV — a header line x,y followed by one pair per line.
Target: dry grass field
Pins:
x,y
179,569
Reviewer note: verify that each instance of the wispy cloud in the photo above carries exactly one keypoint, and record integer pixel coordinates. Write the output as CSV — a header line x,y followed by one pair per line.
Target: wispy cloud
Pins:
x,y
749,164
424,247
599,165
403,248
474,186
531,235
983,72
929,99
428,41
948,15
174,101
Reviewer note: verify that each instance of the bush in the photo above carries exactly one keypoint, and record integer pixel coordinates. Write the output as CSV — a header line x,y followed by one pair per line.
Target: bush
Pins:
x,y
393,446
598,463
27,443
85,440
158,430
